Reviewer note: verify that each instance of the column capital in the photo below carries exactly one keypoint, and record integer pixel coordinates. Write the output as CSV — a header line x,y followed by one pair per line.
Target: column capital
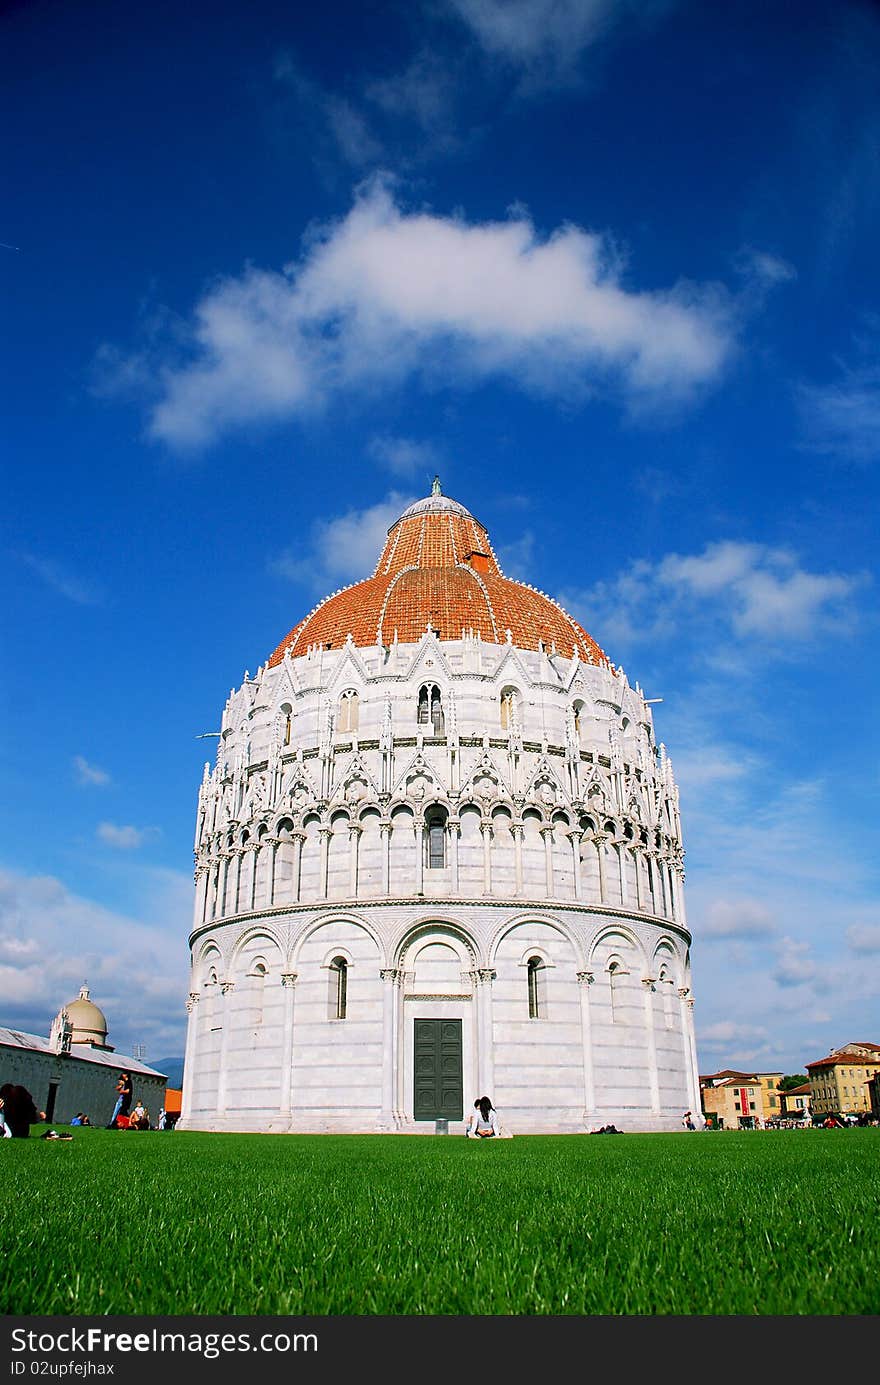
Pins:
x,y
649,983
227,986
192,1000
684,992
288,979
391,974
599,838
486,975
585,978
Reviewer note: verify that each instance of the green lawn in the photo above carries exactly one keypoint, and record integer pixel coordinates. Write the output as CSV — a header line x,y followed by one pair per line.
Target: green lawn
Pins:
x,y
784,1222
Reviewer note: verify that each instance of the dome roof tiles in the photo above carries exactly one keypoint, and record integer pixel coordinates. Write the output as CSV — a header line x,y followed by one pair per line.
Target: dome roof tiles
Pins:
x,y
438,568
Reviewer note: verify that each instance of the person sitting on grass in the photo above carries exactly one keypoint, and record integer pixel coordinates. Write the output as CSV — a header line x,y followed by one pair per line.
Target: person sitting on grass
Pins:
x,y
19,1111
140,1119
483,1121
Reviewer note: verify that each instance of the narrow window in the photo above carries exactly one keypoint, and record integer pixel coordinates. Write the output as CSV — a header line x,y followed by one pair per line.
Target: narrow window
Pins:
x,y
339,983
508,709
614,982
348,711
430,712
436,846
535,967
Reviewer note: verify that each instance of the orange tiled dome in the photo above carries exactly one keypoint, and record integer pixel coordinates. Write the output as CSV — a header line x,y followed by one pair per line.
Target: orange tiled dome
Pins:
x,y
438,568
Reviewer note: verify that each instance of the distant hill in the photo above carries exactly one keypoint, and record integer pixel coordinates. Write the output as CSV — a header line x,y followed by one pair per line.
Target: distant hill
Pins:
x,y
172,1067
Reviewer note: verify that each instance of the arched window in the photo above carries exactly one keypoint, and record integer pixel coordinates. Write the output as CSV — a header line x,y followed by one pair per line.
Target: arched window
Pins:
x,y
287,720
537,998
430,711
338,987
578,712
435,847
348,711
509,709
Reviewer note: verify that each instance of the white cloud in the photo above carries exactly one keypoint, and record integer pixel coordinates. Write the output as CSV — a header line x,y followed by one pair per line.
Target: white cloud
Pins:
x,y
405,457
725,1032
422,92
87,773
843,418
864,937
541,35
737,918
52,940
794,965
516,558
385,295
62,581
124,838
345,548
748,590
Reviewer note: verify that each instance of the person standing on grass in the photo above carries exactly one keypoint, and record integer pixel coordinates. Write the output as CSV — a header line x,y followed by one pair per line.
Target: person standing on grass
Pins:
x,y
123,1098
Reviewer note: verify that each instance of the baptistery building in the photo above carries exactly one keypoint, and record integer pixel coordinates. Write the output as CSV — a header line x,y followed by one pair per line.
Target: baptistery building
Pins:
x,y
439,856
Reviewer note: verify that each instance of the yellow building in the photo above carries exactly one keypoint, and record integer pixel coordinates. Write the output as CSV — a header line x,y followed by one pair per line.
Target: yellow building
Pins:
x,y
740,1100
839,1083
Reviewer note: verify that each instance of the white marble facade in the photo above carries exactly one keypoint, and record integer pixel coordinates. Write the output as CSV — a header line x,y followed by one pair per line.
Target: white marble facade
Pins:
x,y
450,830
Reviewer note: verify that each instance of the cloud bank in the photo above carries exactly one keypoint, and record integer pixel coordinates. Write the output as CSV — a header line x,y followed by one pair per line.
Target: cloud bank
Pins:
x,y
385,295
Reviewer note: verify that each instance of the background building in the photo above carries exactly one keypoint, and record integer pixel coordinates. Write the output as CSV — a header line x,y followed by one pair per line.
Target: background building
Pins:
x,y
839,1083
75,1069
741,1100
439,855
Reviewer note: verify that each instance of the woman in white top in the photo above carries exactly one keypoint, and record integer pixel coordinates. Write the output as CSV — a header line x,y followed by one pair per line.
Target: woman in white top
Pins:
x,y
483,1121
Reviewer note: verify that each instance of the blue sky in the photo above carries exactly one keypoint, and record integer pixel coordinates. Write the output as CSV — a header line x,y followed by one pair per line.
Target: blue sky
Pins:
x,y
609,268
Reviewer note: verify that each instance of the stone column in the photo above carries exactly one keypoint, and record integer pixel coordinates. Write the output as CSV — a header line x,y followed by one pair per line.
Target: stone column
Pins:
x,y
485,1035
690,1047
517,829
297,838
189,1070
653,1077
419,838
679,884
547,834
389,1045
324,833
486,830
399,1050
454,828
620,848
222,874
354,832
599,840
650,856
637,866
575,838
585,981
273,844
201,877
226,989
385,836
288,982
239,852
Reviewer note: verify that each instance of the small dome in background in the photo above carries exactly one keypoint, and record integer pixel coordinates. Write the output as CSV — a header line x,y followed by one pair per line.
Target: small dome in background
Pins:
x,y
88,1022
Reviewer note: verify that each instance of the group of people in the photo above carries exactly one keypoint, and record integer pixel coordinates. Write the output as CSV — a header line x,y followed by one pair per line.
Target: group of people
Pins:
x,y
18,1112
